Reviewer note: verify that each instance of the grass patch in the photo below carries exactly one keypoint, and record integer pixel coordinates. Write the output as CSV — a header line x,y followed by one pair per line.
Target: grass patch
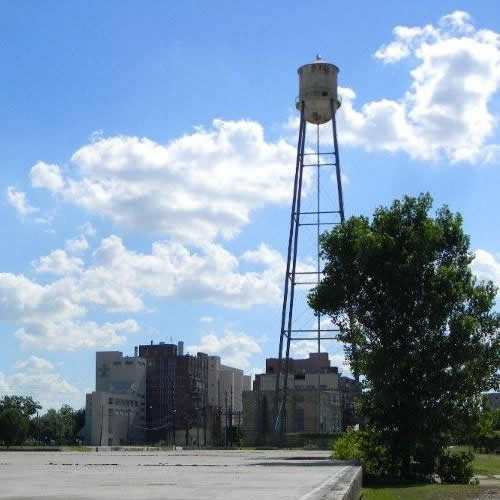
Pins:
x,y
487,465
484,464
421,492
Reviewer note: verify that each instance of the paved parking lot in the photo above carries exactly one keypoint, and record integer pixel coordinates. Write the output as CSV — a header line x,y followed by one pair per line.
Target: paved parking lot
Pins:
x,y
186,475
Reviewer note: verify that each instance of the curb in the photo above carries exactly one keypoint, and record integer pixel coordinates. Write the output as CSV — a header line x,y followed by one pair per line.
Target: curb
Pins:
x,y
347,486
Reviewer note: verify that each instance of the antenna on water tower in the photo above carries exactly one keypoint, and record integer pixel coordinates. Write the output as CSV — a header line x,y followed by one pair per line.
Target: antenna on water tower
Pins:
x,y
317,103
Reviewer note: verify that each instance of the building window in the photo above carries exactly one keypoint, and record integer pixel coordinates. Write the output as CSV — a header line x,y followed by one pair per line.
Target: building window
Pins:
x,y
299,419
110,401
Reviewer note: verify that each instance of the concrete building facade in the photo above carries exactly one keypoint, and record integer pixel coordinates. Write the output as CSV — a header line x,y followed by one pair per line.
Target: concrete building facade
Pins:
x,y
319,399
160,395
225,400
115,411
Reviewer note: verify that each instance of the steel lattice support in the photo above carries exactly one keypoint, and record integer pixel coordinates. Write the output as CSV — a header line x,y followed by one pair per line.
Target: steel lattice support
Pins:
x,y
288,332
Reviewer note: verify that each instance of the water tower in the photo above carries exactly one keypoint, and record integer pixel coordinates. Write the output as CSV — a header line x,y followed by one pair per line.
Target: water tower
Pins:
x,y
319,209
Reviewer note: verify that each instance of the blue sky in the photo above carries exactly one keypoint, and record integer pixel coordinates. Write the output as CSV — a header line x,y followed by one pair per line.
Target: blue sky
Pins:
x,y
147,152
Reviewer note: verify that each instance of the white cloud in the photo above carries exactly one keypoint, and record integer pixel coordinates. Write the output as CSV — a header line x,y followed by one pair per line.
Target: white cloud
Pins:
x,y
77,245
234,348
55,315
210,275
446,110
197,187
4,385
45,220
88,229
69,335
38,378
47,176
206,319
52,318
486,267
18,200
58,262
34,364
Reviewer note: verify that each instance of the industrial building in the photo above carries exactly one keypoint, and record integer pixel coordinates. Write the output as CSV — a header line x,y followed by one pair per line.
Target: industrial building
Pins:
x,y
115,411
192,400
225,400
320,399
161,362
163,395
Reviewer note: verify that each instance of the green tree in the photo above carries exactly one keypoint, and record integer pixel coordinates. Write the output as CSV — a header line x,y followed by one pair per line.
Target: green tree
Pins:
x,y
49,426
25,404
475,424
425,338
61,426
496,419
13,426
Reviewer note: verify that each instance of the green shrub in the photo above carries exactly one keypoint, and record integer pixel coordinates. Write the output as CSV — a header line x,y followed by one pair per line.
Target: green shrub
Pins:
x,y
456,468
347,446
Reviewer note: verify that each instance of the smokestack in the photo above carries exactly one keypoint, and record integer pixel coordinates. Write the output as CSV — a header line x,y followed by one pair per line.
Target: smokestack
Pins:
x,y
136,351
151,342
180,348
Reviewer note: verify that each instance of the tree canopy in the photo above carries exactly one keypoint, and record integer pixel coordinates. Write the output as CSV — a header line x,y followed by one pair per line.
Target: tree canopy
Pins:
x,y
424,336
13,426
25,404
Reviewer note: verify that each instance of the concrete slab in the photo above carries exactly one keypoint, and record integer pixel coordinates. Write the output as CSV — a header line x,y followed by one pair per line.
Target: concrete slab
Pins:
x,y
205,474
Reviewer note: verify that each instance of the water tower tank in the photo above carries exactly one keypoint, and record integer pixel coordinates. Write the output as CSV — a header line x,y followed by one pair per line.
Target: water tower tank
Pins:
x,y
317,89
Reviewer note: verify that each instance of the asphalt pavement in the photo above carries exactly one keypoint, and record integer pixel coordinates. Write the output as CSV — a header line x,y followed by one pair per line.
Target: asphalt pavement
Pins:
x,y
186,475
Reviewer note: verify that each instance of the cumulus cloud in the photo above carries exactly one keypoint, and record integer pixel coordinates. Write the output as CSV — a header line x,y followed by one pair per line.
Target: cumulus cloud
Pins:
x,y
88,230
446,111
4,384
77,245
74,335
37,377
206,319
58,262
116,280
47,176
486,266
171,269
51,317
234,348
18,200
195,188
34,364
